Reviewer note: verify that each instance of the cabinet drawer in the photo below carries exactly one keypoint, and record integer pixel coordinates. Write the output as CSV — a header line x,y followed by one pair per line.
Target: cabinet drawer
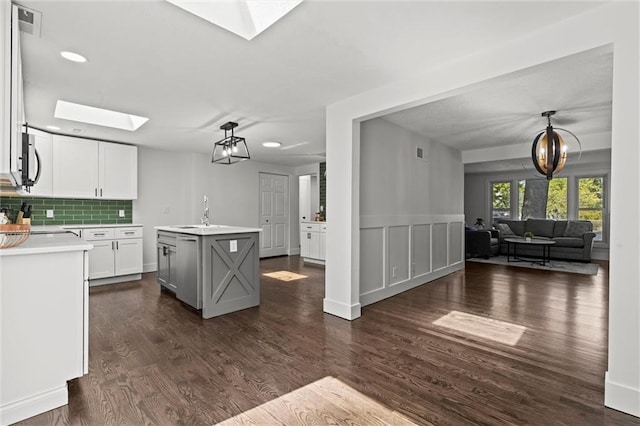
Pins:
x,y
310,227
166,238
128,232
323,227
93,234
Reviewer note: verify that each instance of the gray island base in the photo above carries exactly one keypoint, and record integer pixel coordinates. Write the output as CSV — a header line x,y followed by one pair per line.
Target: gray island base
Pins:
x,y
214,268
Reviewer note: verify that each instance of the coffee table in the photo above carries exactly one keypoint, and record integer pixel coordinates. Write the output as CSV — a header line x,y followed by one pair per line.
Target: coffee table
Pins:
x,y
515,242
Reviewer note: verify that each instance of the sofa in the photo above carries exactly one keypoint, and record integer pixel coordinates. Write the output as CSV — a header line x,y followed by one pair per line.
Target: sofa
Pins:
x,y
573,238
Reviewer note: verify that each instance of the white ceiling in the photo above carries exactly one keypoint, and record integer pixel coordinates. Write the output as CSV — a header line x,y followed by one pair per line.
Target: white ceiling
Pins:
x,y
188,76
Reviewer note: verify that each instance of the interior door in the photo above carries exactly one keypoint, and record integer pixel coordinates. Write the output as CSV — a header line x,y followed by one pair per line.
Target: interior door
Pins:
x,y
274,214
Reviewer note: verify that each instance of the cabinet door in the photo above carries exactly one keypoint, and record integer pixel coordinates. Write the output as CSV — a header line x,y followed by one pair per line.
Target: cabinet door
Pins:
x,y
101,264
172,281
44,147
128,256
314,245
187,268
163,265
118,171
75,167
305,244
323,246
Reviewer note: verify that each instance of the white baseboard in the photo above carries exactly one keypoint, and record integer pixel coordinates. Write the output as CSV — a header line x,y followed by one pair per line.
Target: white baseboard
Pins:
x,y
114,280
294,251
150,267
348,312
621,397
37,404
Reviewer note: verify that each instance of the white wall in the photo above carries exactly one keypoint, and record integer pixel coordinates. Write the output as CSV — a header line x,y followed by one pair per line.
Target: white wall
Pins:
x,y
613,23
172,185
410,210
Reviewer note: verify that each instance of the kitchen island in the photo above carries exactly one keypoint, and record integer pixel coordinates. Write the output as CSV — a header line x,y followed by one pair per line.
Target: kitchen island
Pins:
x,y
44,320
214,268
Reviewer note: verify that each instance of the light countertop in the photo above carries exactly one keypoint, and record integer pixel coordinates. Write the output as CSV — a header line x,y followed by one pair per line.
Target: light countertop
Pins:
x,y
207,230
104,225
48,243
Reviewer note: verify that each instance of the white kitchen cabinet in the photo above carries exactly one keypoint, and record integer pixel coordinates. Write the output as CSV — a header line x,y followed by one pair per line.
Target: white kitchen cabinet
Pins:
x,y
44,316
323,241
44,147
128,256
312,242
118,168
75,167
116,254
84,168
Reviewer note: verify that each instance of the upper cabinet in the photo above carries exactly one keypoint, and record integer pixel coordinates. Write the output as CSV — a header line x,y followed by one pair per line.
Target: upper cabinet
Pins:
x,y
75,167
44,149
118,171
85,168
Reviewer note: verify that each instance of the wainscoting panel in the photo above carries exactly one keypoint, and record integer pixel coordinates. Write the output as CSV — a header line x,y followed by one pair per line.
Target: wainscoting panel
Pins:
x,y
372,263
440,246
455,242
421,250
398,254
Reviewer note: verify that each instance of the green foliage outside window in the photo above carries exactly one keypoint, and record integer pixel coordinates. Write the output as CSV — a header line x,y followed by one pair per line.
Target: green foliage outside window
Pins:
x,y
502,195
591,202
501,200
557,199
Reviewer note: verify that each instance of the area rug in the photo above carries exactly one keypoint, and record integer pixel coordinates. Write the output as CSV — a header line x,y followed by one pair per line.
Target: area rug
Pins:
x,y
284,275
553,265
327,401
487,328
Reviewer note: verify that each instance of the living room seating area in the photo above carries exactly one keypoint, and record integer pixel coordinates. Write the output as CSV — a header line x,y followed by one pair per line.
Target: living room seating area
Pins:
x,y
573,239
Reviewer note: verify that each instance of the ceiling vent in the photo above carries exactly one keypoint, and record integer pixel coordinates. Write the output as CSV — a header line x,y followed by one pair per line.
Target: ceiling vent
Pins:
x,y
29,21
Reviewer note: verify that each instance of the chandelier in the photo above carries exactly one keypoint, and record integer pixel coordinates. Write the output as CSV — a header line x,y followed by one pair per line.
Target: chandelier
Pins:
x,y
549,151
231,149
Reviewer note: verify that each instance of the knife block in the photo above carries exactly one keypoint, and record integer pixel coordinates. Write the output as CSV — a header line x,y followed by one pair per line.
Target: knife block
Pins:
x,y
23,221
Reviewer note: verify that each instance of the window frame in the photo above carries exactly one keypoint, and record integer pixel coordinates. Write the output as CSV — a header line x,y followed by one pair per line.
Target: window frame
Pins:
x,y
509,210
605,203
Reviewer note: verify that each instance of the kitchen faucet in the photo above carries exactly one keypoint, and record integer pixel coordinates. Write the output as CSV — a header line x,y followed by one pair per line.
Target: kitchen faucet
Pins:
x,y
205,216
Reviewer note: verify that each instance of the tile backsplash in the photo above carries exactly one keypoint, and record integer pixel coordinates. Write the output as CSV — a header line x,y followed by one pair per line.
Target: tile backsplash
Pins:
x,y
70,211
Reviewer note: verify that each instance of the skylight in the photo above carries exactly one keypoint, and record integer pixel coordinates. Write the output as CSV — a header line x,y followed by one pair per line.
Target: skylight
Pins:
x,y
246,18
99,116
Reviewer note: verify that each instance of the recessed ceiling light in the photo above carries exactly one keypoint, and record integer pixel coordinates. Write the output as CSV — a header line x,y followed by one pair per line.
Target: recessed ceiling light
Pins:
x,y
99,116
74,57
246,18
271,144
53,127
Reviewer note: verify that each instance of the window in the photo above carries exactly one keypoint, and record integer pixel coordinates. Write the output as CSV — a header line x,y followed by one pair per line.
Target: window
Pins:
x,y
557,199
591,203
552,205
500,200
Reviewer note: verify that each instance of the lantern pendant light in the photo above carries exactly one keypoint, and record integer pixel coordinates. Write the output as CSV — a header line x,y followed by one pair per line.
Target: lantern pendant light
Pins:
x,y
549,151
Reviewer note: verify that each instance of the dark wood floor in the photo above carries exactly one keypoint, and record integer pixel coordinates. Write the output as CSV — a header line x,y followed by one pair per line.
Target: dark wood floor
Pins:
x,y
153,361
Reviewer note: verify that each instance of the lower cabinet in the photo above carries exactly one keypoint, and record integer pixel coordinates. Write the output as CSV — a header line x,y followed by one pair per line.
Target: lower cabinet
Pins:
x,y
188,270
167,261
116,254
313,242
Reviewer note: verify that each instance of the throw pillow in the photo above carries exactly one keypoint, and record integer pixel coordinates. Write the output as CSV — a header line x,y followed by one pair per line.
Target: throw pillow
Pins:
x,y
505,229
577,229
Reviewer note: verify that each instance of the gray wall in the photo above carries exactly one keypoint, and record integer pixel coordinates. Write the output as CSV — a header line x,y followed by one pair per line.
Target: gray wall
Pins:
x,y
410,211
394,182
